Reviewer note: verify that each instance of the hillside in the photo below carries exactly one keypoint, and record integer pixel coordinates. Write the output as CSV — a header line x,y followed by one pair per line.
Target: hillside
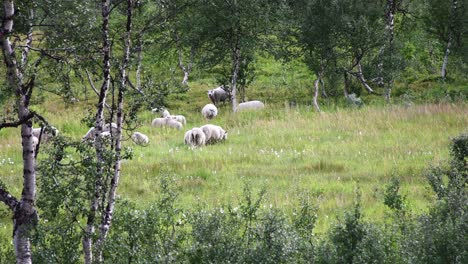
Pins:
x,y
285,150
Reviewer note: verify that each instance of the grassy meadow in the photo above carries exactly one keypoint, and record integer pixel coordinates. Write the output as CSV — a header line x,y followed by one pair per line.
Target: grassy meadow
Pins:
x,y
288,151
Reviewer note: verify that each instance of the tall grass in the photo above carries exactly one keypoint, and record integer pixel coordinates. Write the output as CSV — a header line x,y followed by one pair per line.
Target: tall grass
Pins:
x,y
284,150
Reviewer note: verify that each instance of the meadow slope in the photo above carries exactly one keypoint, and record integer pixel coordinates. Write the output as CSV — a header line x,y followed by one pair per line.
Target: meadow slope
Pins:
x,y
287,151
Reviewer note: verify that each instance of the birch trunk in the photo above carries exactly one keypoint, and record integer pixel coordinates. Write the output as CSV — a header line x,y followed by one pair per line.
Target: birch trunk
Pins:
x,y
453,12
236,61
443,72
391,10
346,84
98,143
185,69
24,211
316,91
109,210
360,77
139,60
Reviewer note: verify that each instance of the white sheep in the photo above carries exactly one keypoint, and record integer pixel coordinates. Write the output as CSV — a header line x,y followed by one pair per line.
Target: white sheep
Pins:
x,y
161,111
47,133
174,123
209,111
165,113
166,122
89,135
214,133
250,105
195,137
140,138
179,118
35,141
106,128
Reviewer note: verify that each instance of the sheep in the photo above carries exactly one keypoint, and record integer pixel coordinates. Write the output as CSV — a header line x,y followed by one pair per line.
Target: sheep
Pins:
x,y
195,137
89,135
214,133
250,105
106,135
218,95
106,128
35,141
140,138
47,133
166,121
209,111
179,118
165,113
174,123
161,110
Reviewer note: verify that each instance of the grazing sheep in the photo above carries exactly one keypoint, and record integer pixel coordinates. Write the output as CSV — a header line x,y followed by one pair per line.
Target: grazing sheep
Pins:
x,y
213,133
35,141
209,111
165,113
106,128
195,137
161,111
179,118
174,123
89,135
47,133
167,121
106,134
140,138
250,105
218,95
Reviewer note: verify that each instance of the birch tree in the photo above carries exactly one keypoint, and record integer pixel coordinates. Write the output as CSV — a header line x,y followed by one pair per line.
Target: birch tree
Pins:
x,y
444,19
21,75
233,30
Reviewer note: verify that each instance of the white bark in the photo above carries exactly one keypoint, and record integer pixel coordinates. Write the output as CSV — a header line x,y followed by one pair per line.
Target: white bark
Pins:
x,y
109,210
391,10
360,77
443,72
316,93
98,143
236,61
453,12
186,70
139,61
25,214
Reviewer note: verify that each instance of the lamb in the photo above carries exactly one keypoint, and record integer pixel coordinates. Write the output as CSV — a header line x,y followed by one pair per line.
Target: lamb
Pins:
x,y
140,138
195,137
218,95
250,105
47,133
209,111
214,133
166,121
165,113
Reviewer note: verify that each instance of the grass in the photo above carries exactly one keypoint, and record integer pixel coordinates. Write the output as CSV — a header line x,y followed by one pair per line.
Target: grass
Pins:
x,y
285,150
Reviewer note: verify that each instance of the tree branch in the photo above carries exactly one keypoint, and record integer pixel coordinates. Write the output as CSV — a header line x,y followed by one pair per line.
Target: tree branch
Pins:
x,y
8,199
133,86
19,122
